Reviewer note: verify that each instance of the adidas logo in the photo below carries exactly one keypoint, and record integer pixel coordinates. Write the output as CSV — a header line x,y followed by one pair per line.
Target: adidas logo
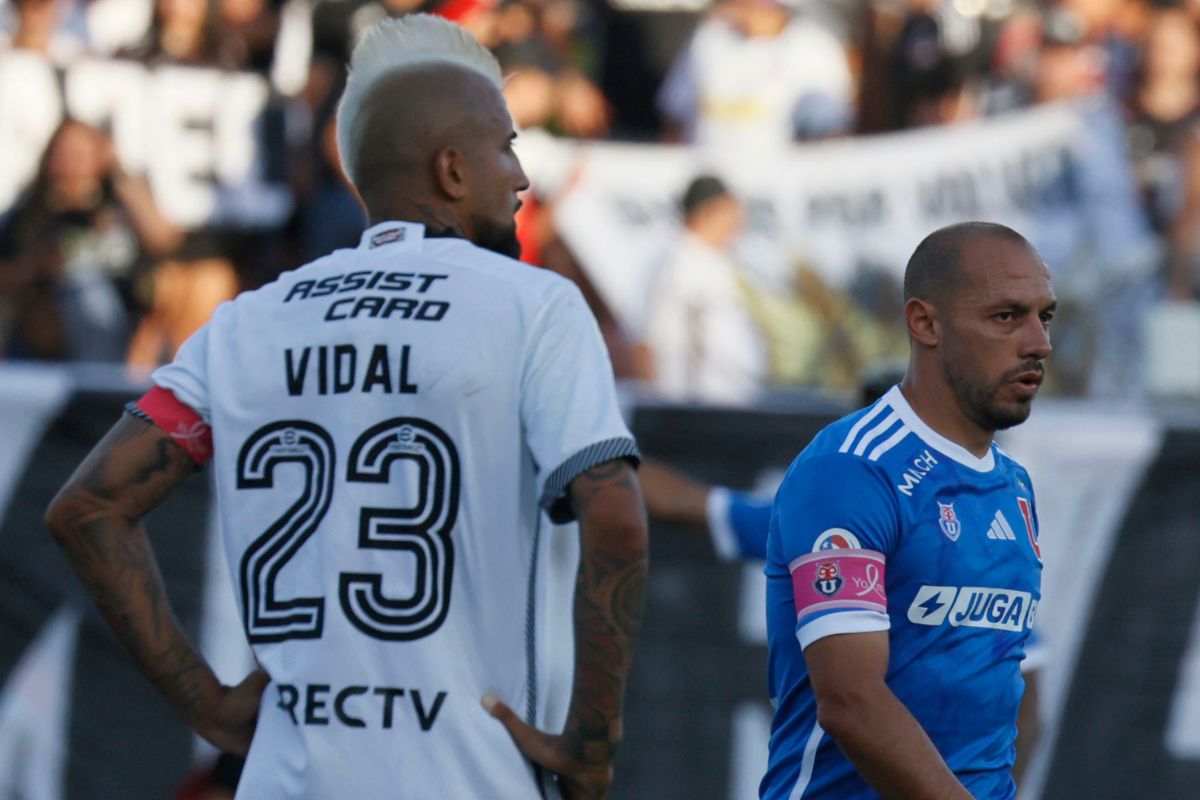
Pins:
x,y
1001,529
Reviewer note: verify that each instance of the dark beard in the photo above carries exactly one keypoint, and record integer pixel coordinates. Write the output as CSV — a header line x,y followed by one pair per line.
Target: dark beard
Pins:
x,y
499,240
978,399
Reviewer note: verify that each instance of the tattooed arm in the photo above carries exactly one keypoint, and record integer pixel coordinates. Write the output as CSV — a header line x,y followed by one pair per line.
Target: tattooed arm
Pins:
x,y
608,612
96,519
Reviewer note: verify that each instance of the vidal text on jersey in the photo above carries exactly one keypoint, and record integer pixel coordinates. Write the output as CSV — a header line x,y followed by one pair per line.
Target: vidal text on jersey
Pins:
x,y
341,368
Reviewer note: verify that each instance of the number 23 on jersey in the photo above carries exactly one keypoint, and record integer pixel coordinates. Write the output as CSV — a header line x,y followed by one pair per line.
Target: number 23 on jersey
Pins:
x,y
421,530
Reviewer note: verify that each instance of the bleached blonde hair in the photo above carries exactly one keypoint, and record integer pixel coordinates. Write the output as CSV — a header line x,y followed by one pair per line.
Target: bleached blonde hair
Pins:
x,y
392,46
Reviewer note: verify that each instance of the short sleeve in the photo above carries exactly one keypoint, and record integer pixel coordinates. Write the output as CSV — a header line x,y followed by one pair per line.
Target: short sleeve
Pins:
x,y
833,493
569,408
833,526
187,376
738,524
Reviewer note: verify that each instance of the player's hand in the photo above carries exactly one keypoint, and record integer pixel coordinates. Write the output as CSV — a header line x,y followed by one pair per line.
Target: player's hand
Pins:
x,y
584,769
230,722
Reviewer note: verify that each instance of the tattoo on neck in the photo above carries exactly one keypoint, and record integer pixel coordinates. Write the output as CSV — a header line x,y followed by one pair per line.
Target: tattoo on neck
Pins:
x,y
437,221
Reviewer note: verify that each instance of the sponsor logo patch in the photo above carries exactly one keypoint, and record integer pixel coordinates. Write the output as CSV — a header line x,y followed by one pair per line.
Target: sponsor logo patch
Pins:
x,y
948,522
387,237
973,607
836,539
922,465
932,604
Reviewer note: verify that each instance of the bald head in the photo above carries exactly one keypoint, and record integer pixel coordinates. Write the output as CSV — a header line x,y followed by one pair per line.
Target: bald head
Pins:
x,y
408,117
940,265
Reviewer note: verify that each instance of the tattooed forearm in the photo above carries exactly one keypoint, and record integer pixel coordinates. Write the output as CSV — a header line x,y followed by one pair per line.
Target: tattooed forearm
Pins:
x,y
608,604
96,520
184,678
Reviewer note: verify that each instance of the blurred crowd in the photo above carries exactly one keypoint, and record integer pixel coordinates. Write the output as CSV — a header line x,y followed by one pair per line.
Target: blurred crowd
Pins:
x,y
92,270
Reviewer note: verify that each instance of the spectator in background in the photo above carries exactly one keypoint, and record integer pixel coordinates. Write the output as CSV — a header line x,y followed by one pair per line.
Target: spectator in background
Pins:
x,y
1183,270
704,342
248,29
1165,114
56,29
1091,229
200,275
556,99
181,32
339,24
328,213
1164,137
818,336
541,49
185,292
756,77
919,61
73,249
1114,28
1068,66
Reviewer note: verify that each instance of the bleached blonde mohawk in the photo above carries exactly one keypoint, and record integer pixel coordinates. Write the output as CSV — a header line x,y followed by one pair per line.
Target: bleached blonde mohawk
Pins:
x,y
395,45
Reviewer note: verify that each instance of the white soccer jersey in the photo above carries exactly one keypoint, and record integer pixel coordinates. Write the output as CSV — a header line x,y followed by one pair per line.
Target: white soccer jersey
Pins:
x,y
388,424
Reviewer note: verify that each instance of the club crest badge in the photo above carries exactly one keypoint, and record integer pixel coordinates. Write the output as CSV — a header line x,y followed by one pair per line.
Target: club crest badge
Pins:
x,y
829,582
948,522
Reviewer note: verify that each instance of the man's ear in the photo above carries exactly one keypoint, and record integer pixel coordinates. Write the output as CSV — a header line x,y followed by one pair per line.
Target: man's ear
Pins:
x,y
921,317
450,172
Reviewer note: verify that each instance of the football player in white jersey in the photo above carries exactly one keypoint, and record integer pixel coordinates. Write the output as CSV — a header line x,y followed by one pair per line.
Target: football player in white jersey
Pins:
x,y
395,430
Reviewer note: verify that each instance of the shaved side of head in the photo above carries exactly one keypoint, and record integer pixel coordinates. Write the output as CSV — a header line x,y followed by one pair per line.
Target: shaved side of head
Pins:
x,y
937,268
395,46
407,118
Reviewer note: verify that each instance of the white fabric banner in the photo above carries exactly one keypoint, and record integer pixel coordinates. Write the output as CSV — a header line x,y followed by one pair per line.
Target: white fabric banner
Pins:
x,y
194,133
844,206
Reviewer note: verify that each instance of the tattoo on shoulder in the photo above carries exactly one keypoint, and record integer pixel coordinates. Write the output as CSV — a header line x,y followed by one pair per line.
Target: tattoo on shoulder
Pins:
x,y
610,474
136,463
609,469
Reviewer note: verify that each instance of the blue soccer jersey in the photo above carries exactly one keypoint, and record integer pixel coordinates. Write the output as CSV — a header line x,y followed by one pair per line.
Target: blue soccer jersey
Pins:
x,y
882,524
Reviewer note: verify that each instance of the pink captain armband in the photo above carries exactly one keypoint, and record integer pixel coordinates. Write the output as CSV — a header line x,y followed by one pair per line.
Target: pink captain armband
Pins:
x,y
186,428
834,580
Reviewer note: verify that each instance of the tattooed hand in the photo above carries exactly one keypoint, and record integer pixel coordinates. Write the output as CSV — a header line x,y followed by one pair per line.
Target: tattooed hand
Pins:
x,y
608,613
229,725
583,772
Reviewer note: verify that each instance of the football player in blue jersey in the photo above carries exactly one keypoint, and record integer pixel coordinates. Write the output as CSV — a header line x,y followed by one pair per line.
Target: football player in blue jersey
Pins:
x,y
903,566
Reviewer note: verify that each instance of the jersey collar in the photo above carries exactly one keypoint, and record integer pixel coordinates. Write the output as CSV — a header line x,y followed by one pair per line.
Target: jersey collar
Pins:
x,y
895,398
399,235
